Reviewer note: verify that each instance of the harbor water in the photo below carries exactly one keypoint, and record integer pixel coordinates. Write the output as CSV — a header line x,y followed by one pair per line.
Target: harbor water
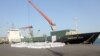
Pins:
x,y
97,41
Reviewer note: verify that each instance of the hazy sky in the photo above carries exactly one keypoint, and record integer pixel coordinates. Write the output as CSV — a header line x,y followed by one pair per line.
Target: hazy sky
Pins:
x,y
62,12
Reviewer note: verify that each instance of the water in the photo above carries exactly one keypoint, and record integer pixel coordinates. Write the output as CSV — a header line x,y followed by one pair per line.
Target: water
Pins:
x,y
97,41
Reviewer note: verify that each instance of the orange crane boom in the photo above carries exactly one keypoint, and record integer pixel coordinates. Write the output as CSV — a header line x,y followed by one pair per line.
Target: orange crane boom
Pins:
x,y
52,25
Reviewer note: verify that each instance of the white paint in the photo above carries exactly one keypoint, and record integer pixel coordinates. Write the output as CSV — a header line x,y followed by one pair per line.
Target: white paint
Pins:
x,y
71,32
53,38
53,27
14,35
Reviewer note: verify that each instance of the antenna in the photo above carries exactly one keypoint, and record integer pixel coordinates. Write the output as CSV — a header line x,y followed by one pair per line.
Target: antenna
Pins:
x,y
75,22
12,26
28,14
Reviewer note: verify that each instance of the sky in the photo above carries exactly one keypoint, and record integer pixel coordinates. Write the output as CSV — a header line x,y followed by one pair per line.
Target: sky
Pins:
x,y
62,12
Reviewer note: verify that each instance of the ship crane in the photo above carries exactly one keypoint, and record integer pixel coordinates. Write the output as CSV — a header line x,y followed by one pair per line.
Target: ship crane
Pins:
x,y
28,28
52,25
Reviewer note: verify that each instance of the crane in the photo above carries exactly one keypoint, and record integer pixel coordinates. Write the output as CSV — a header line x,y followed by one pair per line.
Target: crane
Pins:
x,y
30,30
52,25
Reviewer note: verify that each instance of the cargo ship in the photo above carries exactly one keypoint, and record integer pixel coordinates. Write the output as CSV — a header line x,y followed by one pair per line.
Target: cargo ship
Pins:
x,y
66,36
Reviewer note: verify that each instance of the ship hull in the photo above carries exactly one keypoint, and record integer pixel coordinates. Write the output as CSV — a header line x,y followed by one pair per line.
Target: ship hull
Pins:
x,y
84,38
